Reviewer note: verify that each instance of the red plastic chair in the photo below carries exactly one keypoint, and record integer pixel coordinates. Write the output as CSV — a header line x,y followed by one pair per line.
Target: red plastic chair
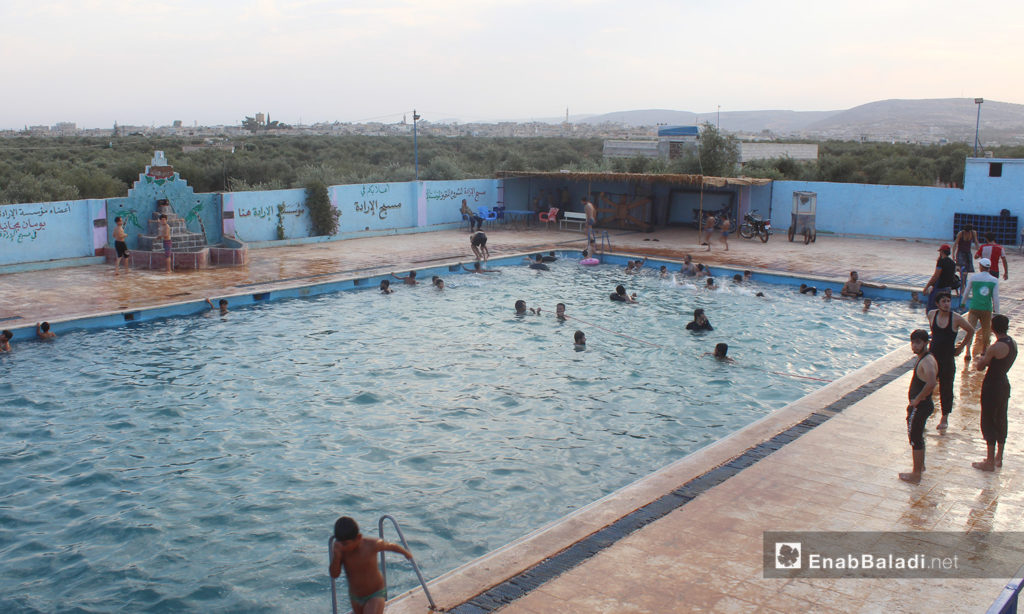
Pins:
x,y
550,216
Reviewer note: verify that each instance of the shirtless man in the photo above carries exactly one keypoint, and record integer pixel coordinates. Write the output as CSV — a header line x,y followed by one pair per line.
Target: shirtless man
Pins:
x,y
120,246
409,280
851,289
478,241
920,407
591,212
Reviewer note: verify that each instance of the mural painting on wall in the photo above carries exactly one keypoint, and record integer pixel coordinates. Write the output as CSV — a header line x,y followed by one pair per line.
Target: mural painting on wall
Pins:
x,y
159,174
193,216
456,194
131,217
24,223
375,207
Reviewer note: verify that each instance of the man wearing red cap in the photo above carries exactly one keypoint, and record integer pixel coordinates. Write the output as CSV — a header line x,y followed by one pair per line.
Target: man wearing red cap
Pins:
x,y
944,276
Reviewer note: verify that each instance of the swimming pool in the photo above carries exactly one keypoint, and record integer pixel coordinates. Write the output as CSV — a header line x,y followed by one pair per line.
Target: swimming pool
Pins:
x,y
198,463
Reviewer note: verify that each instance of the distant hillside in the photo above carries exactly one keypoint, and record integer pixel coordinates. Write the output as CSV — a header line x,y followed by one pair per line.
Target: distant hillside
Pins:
x,y
953,118
920,120
732,121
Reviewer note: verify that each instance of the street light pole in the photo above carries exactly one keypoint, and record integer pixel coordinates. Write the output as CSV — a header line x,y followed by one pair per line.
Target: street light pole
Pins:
x,y
977,126
415,147
719,126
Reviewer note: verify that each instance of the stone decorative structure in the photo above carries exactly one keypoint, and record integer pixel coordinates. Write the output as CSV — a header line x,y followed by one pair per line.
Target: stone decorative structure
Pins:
x,y
159,191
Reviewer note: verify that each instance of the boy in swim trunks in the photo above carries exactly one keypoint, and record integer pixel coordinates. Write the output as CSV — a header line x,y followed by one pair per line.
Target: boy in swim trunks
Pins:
x,y
478,242
165,234
357,555
122,248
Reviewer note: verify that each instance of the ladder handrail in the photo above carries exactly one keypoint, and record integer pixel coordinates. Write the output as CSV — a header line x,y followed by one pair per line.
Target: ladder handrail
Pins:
x,y
330,560
405,544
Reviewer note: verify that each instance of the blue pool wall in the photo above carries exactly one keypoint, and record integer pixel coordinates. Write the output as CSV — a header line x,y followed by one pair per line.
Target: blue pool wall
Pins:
x,y
256,296
35,233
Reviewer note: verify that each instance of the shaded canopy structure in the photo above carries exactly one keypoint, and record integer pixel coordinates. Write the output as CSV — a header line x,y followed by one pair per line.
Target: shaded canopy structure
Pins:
x,y
641,201
664,178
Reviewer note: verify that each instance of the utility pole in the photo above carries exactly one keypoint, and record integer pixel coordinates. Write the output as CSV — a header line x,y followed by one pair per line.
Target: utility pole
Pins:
x,y
977,126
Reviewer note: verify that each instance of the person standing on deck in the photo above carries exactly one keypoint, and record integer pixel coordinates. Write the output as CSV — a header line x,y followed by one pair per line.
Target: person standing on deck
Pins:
x,y
943,277
944,323
982,296
962,250
995,392
994,252
591,212
921,406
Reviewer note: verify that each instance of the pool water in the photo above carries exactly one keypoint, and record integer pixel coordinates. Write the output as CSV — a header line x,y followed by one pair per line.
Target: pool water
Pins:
x,y
199,463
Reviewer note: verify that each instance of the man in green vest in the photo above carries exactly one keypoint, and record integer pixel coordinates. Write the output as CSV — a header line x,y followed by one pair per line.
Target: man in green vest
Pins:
x,y
982,296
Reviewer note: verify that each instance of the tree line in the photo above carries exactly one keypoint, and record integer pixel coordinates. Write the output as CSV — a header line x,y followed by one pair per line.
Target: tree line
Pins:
x,y
46,169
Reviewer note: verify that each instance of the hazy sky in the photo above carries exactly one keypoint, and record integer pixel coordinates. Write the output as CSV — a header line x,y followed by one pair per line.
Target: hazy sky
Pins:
x,y
95,62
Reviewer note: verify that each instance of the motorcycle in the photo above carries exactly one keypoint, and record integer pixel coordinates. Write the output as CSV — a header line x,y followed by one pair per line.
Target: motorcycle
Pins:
x,y
754,225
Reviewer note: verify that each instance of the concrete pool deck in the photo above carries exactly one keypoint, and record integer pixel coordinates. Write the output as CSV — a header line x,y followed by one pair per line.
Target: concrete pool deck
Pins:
x,y
706,554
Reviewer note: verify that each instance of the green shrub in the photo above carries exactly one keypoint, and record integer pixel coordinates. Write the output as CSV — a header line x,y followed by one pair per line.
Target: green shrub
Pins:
x,y
323,216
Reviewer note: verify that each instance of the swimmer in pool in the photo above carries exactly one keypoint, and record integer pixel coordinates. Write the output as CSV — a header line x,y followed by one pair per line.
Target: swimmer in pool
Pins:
x,y
538,263
805,289
560,311
867,304
702,271
663,272
438,283
710,285
687,267
551,257
357,555
915,299
521,308
385,287
721,353
737,278
748,275
579,341
5,341
620,295
409,280
43,331
828,294
700,321
222,305
477,268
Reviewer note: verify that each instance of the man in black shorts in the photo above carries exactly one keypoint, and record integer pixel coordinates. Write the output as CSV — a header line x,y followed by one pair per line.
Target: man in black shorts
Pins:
x,y
944,323
920,395
995,392
478,241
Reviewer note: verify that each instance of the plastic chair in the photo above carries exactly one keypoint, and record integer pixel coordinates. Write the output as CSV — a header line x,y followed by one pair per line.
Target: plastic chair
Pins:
x,y
485,215
550,216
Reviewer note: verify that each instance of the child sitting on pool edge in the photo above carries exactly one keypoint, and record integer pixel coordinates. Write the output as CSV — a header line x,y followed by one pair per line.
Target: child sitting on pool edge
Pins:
x,y
357,555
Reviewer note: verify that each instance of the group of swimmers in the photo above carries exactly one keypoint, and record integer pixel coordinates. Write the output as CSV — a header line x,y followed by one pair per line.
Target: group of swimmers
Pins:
x,y
42,332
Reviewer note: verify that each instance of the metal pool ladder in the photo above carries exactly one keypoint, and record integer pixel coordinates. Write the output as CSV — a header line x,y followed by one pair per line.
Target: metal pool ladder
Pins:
x,y
383,564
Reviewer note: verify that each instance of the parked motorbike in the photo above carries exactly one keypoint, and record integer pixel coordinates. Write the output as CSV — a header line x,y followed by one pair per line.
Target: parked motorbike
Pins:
x,y
754,225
